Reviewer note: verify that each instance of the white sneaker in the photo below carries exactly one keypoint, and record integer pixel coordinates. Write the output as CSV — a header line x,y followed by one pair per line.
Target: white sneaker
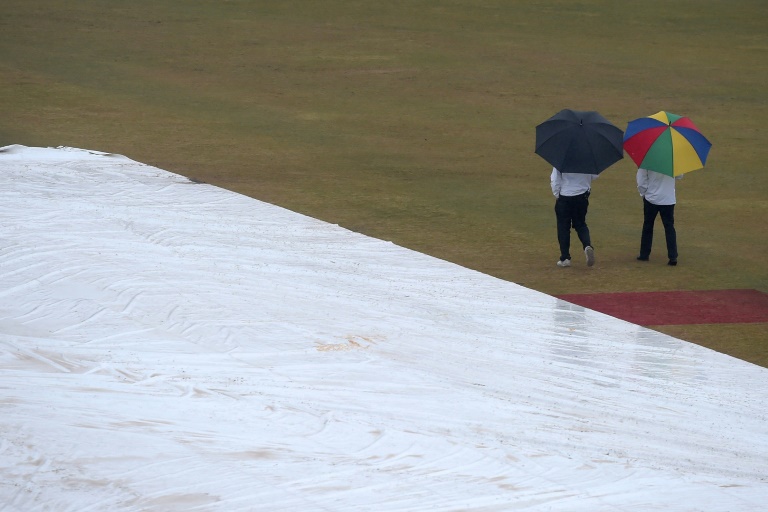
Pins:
x,y
590,252
564,263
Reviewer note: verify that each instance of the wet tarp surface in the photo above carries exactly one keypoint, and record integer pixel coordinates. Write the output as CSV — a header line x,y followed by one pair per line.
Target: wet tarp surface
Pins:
x,y
168,345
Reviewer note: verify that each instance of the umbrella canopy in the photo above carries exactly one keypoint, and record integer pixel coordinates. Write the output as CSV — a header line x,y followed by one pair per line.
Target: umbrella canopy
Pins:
x,y
666,143
581,142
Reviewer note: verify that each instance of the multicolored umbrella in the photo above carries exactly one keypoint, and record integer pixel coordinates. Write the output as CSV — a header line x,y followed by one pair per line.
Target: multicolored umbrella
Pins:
x,y
666,143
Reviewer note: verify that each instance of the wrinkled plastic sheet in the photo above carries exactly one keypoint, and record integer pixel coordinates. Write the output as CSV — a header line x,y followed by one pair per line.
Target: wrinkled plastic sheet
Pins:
x,y
170,345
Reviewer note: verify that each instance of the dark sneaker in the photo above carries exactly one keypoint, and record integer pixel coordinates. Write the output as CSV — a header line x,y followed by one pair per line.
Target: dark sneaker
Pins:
x,y
672,263
641,258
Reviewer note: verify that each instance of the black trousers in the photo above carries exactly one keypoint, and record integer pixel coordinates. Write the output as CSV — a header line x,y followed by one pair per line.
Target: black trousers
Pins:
x,y
667,212
571,212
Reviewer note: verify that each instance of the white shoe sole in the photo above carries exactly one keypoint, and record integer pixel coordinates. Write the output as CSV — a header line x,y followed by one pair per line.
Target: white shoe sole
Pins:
x,y
590,252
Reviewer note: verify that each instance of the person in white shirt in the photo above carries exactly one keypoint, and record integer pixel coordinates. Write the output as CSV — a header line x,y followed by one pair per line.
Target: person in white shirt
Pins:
x,y
658,193
572,192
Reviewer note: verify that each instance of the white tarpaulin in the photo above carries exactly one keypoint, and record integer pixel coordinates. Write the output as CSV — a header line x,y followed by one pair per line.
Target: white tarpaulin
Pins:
x,y
168,345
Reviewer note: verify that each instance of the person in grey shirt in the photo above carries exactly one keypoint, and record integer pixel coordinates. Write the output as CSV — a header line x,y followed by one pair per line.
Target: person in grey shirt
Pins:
x,y
572,192
658,193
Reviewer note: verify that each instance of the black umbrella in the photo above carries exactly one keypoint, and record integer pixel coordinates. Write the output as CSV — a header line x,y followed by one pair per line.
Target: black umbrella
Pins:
x,y
579,142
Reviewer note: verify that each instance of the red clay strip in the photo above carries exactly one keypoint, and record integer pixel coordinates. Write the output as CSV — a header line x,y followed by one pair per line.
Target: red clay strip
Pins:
x,y
680,307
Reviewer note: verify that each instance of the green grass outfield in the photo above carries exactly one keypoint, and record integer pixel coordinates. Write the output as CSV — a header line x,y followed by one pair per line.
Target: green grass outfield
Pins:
x,y
413,120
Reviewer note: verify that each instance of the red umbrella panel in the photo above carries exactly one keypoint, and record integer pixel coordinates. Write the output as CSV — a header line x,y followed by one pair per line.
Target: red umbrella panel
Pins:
x,y
666,143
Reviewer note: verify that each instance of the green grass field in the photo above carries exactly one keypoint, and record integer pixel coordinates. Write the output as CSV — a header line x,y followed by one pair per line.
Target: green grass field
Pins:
x,y
413,121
